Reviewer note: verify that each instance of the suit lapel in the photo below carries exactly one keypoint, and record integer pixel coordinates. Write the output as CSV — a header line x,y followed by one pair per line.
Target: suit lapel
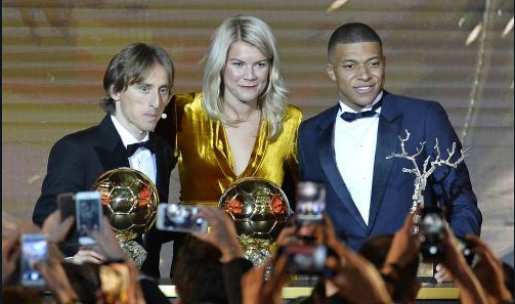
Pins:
x,y
110,149
328,162
387,142
162,168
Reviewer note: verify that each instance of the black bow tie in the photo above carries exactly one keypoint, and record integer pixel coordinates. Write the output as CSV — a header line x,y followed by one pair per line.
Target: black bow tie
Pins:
x,y
150,144
350,117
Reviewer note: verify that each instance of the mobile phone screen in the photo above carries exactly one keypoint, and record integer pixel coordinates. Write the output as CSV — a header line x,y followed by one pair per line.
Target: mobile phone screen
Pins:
x,y
310,211
34,248
310,201
306,259
88,216
174,217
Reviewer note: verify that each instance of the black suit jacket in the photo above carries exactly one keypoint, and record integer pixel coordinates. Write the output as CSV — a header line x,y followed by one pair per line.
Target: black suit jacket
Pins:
x,y
78,159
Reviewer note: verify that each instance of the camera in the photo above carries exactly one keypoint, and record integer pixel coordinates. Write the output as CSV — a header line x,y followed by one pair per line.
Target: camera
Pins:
x,y
310,208
304,256
34,249
432,229
89,212
175,217
306,259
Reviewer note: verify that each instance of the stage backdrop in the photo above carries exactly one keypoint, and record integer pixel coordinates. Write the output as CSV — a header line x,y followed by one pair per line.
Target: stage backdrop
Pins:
x,y
457,52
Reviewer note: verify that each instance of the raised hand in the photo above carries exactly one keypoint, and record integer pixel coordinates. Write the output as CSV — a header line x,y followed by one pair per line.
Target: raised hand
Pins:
x,y
55,276
357,279
85,255
256,290
57,229
471,291
405,245
107,243
10,256
222,234
489,272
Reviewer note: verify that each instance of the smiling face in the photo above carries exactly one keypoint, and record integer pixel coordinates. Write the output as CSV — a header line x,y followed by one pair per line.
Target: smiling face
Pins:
x,y
140,106
245,74
358,70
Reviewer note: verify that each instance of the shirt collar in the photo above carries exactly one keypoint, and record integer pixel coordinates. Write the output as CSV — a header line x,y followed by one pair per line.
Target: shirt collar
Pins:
x,y
127,137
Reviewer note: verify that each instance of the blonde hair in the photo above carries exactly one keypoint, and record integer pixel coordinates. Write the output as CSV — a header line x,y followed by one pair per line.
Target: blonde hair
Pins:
x,y
251,30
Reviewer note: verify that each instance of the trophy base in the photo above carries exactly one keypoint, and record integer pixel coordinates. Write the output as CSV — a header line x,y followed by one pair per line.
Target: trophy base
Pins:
x,y
425,271
256,250
134,251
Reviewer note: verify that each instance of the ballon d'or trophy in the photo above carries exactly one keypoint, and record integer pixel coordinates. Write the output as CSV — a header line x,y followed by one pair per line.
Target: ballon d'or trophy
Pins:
x,y
259,209
129,200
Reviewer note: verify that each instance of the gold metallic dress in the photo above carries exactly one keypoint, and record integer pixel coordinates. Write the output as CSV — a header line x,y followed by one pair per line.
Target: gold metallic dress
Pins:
x,y
205,159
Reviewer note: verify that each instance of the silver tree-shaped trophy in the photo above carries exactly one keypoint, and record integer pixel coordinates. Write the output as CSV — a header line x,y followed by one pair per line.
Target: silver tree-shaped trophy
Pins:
x,y
422,174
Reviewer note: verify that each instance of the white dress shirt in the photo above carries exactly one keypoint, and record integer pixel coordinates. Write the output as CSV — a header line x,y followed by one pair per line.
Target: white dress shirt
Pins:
x,y
142,160
355,149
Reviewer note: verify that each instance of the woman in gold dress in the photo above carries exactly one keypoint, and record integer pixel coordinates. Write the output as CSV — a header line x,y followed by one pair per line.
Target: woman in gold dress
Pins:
x,y
241,124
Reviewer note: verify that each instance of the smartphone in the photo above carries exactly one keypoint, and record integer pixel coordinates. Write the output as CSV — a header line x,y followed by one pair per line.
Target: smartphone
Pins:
x,y
34,249
306,259
432,229
88,207
66,205
175,217
310,202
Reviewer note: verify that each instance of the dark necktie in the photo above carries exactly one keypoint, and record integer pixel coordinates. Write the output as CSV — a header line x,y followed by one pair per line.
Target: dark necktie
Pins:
x,y
350,117
150,144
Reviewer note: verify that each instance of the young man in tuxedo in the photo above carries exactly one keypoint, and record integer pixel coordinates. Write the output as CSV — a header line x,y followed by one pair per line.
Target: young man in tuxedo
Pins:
x,y
368,194
137,84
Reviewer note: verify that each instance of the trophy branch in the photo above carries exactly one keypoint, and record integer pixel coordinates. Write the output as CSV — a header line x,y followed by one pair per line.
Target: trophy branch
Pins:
x,y
422,174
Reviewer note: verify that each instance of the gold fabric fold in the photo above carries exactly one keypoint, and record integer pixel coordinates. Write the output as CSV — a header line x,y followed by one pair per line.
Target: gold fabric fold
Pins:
x,y
205,159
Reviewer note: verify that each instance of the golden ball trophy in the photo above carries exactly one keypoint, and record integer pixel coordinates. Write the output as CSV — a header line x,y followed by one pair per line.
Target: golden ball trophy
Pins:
x,y
130,201
259,209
